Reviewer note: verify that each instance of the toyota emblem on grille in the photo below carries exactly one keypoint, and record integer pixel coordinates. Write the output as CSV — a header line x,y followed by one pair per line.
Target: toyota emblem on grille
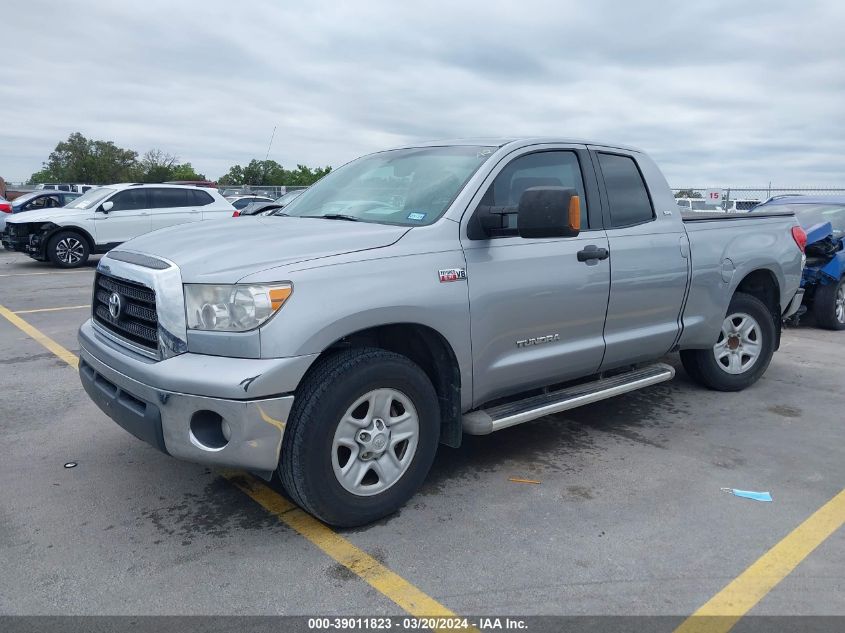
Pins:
x,y
114,305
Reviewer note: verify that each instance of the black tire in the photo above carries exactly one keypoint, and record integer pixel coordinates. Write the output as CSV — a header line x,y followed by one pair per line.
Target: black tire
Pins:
x,y
825,305
68,249
702,366
330,388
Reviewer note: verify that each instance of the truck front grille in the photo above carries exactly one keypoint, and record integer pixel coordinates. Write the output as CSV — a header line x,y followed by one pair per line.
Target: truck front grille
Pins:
x,y
135,306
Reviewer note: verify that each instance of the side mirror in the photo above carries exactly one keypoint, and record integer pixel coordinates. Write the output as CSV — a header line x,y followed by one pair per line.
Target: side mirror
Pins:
x,y
549,212
106,206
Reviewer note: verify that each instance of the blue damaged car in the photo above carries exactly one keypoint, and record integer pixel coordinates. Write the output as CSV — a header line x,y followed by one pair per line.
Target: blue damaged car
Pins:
x,y
823,279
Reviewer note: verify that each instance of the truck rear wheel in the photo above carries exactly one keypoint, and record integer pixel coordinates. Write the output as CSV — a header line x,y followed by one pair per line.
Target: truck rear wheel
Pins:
x,y
742,352
361,437
829,305
67,249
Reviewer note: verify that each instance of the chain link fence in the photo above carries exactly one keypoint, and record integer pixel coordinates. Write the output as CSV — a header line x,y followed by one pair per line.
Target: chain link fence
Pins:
x,y
742,199
271,191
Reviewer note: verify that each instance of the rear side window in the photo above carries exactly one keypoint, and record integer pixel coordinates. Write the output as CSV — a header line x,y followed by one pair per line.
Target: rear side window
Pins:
x,y
129,200
200,198
243,202
626,191
542,169
167,198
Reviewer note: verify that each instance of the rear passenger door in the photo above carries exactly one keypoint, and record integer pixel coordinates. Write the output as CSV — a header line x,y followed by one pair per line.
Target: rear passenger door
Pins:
x,y
171,206
648,264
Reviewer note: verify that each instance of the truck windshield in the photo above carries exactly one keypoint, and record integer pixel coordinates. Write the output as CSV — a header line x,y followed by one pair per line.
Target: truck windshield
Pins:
x,y
90,198
408,187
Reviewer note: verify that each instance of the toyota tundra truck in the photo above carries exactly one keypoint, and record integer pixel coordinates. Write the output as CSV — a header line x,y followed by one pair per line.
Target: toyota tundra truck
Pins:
x,y
421,293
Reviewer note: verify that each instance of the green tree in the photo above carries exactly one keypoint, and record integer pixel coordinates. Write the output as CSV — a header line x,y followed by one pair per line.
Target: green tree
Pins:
x,y
306,176
156,166
235,176
79,159
688,193
269,172
185,171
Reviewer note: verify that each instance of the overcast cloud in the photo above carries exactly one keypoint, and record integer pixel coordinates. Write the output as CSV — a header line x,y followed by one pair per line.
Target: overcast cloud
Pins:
x,y
720,93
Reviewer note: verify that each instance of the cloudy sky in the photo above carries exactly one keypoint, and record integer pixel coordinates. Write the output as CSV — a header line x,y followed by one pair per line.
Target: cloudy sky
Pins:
x,y
720,93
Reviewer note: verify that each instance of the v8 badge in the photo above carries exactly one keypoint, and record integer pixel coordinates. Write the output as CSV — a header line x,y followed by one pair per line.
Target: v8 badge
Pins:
x,y
452,274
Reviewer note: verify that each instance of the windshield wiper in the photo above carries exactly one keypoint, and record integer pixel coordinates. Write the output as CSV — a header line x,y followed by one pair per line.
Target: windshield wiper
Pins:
x,y
337,216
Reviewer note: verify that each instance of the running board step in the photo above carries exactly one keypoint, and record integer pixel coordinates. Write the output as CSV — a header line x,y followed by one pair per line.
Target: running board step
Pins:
x,y
485,421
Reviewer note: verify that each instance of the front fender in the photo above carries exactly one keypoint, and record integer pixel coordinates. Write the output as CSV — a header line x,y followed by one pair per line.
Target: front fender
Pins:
x,y
45,230
331,302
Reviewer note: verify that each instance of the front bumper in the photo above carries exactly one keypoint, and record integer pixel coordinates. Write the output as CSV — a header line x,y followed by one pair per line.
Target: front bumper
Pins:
x,y
13,243
187,426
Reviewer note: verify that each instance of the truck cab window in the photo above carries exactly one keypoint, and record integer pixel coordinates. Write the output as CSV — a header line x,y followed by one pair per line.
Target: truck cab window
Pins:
x,y
626,191
541,169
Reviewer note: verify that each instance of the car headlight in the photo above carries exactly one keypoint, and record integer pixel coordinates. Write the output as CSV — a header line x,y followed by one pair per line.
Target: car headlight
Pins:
x,y
233,308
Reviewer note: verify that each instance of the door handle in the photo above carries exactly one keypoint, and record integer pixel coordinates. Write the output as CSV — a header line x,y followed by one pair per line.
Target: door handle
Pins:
x,y
592,252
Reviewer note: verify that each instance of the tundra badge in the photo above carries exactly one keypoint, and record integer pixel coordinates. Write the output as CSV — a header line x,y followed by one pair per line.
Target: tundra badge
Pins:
x,y
537,340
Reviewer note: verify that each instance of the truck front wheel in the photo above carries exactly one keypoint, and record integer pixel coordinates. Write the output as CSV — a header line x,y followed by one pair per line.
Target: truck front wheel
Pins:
x,y
361,437
742,351
829,305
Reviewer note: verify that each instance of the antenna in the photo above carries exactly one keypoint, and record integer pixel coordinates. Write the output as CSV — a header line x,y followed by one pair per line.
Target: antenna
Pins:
x,y
272,136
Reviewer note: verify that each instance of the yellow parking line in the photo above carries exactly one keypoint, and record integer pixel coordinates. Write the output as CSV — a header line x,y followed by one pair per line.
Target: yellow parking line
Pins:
x,y
723,611
379,577
87,305
51,272
66,355
388,583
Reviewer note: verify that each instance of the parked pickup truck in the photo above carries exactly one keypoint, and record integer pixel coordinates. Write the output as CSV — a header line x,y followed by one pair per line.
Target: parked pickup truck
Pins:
x,y
420,293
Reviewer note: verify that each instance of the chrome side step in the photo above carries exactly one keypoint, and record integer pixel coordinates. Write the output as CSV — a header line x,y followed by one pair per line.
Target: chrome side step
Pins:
x,y
485,421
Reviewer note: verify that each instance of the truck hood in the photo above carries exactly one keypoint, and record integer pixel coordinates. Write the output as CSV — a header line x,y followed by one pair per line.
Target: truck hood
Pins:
x,y
47,215
225,251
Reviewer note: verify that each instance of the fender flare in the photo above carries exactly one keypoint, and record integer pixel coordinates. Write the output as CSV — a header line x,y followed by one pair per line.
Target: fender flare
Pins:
x,y
49,229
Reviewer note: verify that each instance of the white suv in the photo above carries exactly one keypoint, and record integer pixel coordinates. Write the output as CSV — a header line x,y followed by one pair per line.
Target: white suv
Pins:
x,y
104,217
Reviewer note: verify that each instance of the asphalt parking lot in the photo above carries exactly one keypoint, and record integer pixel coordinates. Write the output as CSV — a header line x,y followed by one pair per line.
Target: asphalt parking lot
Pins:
x,y
627,517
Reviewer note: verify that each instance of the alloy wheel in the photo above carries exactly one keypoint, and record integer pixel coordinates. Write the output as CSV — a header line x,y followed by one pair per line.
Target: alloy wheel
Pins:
x,y
375,442
70,250
740,343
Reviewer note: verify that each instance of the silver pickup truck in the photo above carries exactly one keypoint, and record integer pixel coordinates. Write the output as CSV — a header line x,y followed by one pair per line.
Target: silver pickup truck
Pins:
x,y
420,293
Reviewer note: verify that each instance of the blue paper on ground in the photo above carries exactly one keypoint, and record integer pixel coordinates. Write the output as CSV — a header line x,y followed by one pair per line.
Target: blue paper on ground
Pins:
x,y
750,494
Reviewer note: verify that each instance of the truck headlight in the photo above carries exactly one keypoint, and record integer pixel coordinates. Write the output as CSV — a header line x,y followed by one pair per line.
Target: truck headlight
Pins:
x,y
233,308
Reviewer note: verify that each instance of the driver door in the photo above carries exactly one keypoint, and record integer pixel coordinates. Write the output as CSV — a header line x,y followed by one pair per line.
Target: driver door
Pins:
x,y
536,310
